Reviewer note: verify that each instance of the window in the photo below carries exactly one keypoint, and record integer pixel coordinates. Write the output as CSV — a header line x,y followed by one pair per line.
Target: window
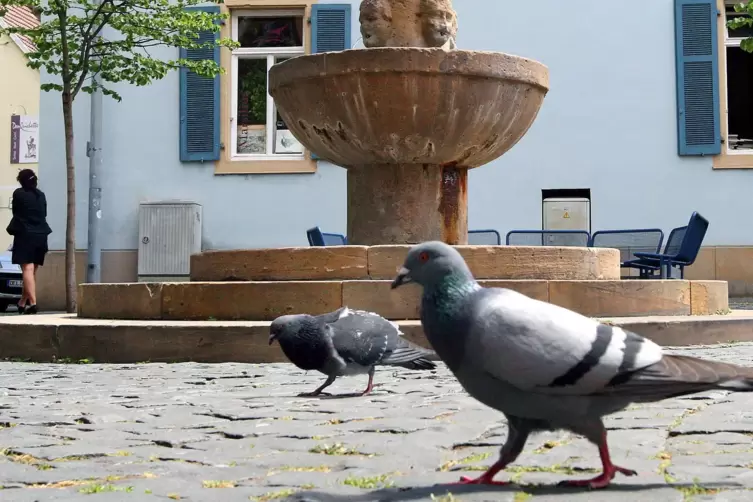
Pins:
x,y
266,38
739,71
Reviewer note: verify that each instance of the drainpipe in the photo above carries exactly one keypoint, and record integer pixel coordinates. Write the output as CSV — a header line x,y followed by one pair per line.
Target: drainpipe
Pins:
x,y
94,152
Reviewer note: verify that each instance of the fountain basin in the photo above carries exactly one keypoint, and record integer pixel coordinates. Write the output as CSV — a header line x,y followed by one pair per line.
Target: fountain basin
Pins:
x,y
413,106
408,123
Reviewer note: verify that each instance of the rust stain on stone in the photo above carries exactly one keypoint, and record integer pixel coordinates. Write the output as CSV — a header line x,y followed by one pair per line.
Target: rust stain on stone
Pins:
x,y
453,193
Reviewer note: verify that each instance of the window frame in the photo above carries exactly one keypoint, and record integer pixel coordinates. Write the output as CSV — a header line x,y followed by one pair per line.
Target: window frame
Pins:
x,y
729,42
728,159
268,53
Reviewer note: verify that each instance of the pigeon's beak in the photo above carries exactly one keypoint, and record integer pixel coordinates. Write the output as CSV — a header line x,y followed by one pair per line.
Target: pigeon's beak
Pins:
x,y
272,338
403,277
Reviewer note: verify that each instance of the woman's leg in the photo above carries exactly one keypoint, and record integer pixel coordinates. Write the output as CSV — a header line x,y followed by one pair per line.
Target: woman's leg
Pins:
x,y
17,257
30,284
30,288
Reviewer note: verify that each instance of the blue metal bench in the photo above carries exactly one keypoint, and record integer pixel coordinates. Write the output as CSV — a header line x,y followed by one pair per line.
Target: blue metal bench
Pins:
x,y
683,246
484,238
629,242
318,238
577,238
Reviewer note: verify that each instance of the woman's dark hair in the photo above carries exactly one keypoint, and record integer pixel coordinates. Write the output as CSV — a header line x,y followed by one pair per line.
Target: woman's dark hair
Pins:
x,y
27,178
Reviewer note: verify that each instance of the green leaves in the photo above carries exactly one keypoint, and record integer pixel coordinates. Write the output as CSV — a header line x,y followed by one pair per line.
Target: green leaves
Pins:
x,y
119,41
743,22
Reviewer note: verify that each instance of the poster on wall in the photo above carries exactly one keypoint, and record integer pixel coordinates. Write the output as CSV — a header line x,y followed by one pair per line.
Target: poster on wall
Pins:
x,y
24,139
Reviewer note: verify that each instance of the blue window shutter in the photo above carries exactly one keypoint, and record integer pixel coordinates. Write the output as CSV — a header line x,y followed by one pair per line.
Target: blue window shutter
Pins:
x,y
330,30
200,103
696,41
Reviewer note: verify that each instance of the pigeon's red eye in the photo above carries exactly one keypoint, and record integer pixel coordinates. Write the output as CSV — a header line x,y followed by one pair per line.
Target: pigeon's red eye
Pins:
x,y
424,257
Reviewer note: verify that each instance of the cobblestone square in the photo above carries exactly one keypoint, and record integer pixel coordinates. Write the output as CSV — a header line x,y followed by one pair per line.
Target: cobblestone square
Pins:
x,y
237,432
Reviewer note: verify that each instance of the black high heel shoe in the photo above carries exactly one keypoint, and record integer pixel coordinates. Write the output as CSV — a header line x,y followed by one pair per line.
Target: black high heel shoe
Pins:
x,y
21,308
30,309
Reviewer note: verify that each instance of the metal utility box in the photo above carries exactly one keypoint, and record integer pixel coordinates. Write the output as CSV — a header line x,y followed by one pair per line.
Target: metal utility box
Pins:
x,y
169,233
567,214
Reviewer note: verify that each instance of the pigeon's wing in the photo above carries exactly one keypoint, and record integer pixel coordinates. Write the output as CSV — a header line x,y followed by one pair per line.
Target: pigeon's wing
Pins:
x,y
363,337
332,317
544,348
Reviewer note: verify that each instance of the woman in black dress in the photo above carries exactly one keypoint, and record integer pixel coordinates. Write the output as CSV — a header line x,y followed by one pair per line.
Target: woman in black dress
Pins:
x,y
29,229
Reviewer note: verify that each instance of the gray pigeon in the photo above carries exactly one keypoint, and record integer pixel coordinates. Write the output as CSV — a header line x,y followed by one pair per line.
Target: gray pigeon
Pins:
x,y
346,342
546,367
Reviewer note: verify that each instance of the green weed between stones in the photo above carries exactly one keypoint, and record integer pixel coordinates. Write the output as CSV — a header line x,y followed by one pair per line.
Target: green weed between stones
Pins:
x,y
95,488
218,484
552,469
521,496
273,495
688,492
471,459
68,360
337,449
317,468
22,458
370,483
550,445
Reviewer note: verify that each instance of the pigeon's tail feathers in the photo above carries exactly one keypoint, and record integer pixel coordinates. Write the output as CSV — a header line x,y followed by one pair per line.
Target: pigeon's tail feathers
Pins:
x,y
419,364
676,376
411,357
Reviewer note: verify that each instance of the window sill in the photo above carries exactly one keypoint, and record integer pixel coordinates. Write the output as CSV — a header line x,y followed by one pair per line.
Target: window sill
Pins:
x,y
301,166
727,161
234,4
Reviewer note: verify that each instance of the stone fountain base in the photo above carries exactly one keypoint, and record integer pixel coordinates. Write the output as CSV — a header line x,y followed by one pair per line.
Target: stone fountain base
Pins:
x,y
262,284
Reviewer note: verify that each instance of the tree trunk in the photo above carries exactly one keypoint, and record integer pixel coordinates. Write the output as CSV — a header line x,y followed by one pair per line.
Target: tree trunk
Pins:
x,y
70,226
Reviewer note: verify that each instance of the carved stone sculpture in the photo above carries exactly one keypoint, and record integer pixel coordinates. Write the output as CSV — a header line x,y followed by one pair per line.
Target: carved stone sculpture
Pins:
x,y
408,23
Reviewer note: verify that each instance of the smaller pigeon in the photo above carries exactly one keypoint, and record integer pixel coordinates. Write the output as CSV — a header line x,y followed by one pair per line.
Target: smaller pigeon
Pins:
x,y
346,342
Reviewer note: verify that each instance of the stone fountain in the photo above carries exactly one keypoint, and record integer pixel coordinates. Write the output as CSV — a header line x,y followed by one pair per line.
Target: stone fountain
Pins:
x,y
408,117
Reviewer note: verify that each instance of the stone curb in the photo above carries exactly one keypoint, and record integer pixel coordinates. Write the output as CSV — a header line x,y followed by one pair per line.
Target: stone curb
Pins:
x,y
46,338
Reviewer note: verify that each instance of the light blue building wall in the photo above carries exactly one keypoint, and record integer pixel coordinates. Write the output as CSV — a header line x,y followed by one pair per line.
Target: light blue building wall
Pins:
x,y
609,124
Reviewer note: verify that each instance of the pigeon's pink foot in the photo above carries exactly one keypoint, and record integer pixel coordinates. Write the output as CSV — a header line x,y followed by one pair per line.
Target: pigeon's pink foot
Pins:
x,y
601,481
481,480
605,478
370,386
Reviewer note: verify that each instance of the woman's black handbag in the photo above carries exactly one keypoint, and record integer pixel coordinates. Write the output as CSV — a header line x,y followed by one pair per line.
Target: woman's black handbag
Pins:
x,y
12,228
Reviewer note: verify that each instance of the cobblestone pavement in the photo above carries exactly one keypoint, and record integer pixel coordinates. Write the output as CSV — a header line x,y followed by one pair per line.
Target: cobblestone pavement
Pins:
x,y
237,432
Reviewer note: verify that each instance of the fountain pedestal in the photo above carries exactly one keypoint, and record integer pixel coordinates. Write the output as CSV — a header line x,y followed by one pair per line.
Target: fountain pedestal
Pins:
x,y
407,203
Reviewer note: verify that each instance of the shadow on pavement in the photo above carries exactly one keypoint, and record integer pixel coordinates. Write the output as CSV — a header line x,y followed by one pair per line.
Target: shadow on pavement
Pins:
x,y
438,491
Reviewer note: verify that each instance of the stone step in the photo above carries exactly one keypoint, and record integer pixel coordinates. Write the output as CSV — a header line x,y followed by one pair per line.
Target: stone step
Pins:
x,y
50,337
267,300
382,262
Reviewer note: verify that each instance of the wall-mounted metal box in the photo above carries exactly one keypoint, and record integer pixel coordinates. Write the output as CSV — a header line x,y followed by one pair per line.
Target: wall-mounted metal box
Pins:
x,y
169,233
567,214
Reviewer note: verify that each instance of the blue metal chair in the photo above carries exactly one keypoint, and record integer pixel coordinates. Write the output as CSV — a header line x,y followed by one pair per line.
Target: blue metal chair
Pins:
x,y
318,238
683,246
577,238
629,242
485,237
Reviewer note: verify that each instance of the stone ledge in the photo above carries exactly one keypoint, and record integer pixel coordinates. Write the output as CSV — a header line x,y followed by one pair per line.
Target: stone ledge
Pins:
x,y
265,301
284,264
50,337
382,262
513,262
